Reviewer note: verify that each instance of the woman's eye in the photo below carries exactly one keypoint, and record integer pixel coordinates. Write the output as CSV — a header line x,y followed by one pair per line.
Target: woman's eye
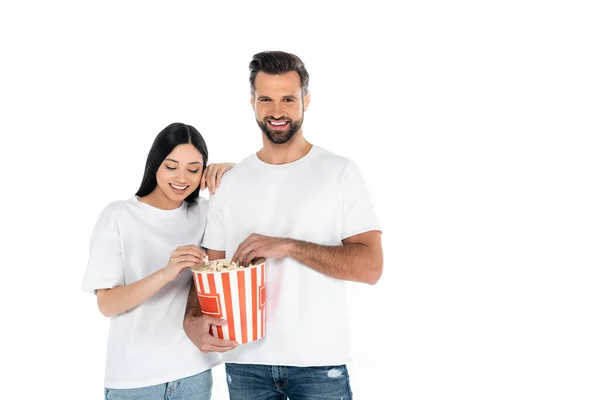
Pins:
x,y
194,171
170,168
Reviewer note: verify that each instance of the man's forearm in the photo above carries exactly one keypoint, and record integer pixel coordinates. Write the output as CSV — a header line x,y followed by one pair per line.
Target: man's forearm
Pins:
x,y
352,262
192,308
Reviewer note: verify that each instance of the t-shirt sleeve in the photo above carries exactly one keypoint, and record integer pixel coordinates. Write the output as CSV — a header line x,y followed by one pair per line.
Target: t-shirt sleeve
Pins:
x,y
105,268
358,213
214,234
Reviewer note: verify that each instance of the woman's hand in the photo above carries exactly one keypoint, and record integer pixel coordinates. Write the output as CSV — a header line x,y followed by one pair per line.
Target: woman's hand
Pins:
x,y
120,299
183,257
212,174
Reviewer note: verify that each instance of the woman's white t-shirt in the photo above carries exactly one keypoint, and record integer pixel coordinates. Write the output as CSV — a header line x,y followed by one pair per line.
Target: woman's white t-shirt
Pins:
x,y
146,345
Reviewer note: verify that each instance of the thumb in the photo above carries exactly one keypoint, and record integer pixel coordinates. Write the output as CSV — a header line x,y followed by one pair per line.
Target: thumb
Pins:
x,y
203,179
214,320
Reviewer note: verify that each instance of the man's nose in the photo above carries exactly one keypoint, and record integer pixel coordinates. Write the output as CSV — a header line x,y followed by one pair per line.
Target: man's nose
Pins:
x,y
277,111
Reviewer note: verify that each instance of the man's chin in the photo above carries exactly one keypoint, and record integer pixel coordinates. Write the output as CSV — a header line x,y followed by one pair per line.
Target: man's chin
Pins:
x,y
279,137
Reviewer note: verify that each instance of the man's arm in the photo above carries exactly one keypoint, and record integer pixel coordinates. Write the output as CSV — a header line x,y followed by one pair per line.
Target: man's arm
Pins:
x,y
359,259
197,326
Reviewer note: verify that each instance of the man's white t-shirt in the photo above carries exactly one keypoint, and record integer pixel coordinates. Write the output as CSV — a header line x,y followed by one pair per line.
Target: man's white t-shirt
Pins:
x,y
146,345
320,198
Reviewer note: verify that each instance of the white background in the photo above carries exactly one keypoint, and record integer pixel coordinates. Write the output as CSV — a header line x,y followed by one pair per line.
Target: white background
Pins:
x,y
475,124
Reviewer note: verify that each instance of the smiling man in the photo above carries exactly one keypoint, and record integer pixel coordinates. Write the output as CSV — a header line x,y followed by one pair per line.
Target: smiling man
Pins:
x,y
308,211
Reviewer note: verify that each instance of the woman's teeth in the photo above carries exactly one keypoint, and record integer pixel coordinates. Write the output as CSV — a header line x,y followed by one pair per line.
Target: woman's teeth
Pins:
x,y
178,187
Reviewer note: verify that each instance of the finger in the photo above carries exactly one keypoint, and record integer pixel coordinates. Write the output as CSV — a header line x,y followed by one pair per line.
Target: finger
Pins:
x,y
219,176
188,265
243,257
208,320
176,254
190,252
213,341
235,256
188,259
182,250
238,255
243,247
211,179
251,255
203,179
206,348
193,250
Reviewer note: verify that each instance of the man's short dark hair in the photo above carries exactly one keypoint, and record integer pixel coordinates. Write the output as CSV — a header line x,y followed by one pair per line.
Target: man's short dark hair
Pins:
x,y
278,63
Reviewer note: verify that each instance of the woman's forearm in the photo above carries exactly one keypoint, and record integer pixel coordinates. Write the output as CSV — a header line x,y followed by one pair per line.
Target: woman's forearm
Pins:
x,y
120,299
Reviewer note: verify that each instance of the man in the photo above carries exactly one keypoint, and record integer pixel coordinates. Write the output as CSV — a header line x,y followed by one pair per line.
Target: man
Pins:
x,y
309,213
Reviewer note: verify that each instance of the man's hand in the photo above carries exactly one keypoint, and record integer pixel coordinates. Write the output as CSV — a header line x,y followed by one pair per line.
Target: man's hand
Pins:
x,y
257,245
197,329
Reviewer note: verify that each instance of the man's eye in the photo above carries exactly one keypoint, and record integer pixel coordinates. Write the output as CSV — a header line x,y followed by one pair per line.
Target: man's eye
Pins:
x,y
170,168
264,100
289,100
194,171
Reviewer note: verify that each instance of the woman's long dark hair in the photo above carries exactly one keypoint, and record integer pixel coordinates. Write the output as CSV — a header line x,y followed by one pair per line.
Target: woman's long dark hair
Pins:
x,y
169,138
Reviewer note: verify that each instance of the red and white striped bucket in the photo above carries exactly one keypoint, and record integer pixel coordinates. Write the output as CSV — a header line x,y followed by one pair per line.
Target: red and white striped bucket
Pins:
x,y
237,296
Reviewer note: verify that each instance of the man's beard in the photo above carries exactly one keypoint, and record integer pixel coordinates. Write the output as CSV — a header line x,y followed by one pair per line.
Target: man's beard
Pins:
x,y
280,137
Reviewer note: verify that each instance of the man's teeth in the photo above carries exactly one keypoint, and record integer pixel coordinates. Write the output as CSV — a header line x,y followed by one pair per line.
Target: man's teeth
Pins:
x,y
278,123
178,187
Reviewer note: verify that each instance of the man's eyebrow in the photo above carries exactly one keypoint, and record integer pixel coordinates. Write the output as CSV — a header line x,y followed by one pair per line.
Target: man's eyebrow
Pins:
x,y
291,96
175,161
263,97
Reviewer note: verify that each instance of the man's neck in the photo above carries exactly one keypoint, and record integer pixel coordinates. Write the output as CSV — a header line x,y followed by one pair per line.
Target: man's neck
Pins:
x,y
285,153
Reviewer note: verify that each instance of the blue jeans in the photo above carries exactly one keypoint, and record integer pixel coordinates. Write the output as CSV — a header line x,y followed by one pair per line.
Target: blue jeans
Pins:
x,y
193,387
267,382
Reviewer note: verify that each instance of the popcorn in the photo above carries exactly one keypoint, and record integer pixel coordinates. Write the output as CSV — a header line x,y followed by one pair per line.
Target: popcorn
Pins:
x,y
217,266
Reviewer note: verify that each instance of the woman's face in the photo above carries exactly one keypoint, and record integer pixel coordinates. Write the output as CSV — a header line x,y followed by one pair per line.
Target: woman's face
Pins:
x,y
180,172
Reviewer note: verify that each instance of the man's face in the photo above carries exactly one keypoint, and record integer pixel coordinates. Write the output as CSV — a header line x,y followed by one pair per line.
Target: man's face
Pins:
x,y
279,105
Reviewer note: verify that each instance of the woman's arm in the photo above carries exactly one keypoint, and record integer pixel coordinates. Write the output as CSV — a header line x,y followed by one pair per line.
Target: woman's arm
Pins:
x,y
120,299
212,175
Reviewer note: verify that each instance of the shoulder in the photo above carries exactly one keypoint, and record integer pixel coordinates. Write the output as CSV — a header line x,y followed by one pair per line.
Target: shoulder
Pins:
x,y
333,163
114,209
109,217
200,203
236,173
198,208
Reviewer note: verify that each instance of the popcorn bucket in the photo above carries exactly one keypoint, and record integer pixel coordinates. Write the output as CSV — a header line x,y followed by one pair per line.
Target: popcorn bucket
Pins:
x,y
238,296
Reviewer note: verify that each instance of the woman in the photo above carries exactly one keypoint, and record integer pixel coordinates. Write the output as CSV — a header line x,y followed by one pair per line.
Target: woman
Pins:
x,y
140,254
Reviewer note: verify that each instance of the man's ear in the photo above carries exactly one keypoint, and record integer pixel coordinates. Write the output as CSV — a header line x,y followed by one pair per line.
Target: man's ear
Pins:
x,y
306,100
252,101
